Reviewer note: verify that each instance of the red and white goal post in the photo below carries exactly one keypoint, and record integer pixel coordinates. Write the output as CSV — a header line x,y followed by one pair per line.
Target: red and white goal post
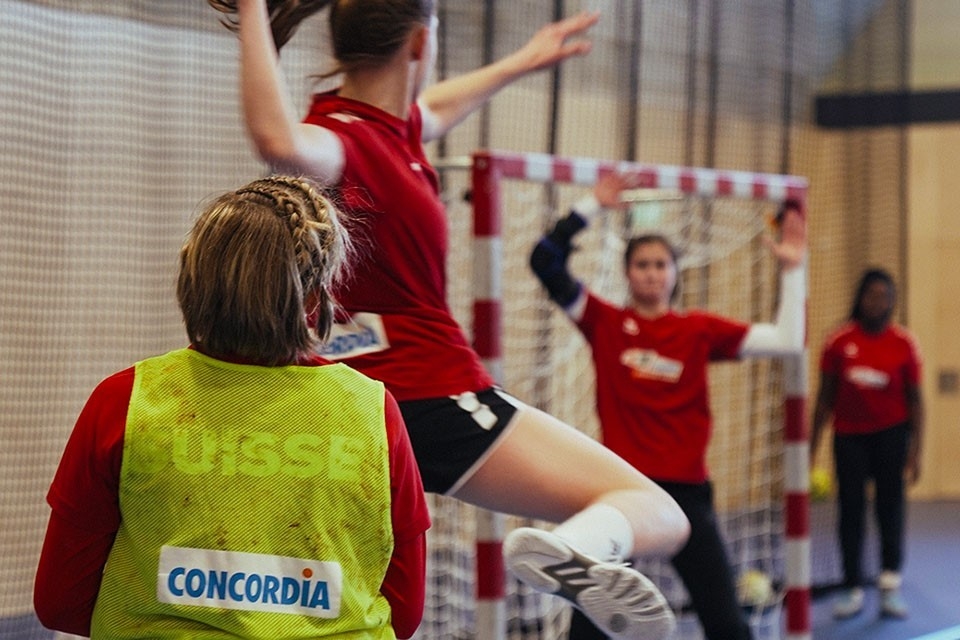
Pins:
x,y
759,448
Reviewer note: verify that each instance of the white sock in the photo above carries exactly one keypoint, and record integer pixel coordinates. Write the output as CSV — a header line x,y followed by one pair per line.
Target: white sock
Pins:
x,y
600,531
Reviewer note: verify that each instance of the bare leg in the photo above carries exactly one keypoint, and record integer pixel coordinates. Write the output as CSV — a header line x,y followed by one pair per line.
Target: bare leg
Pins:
x,y
547,470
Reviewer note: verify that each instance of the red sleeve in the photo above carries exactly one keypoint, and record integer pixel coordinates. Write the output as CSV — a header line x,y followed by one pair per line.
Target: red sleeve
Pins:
x,y
404,583
86,511
726,336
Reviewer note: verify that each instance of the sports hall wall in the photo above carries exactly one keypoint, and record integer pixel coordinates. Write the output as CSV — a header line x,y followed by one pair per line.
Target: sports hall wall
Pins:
x,y
933,301
117,119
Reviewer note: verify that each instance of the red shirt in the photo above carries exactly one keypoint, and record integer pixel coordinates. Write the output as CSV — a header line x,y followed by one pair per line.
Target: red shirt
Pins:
x,y
398,223
86,514
652,394
874,372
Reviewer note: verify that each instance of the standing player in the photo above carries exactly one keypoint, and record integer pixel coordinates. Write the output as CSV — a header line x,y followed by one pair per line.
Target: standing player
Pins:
x,y
472,440
651,381
244,487
870,384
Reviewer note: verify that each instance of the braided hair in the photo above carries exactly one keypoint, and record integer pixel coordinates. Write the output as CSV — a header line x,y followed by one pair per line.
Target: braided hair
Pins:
x,y
253,261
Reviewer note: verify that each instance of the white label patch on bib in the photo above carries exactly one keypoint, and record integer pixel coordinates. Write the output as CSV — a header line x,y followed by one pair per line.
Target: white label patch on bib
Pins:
x,y
249,581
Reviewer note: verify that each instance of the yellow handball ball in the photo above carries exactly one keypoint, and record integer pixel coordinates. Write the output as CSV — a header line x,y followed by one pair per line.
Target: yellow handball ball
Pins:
x,y
754,588
821,484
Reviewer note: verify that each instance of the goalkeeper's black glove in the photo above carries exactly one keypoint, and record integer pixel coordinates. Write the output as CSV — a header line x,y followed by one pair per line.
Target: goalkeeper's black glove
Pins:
x,y
549,259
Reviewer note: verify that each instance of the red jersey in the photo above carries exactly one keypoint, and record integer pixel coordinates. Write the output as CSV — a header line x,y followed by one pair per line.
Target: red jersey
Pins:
x,y
403,332
652,393
86,511
874,371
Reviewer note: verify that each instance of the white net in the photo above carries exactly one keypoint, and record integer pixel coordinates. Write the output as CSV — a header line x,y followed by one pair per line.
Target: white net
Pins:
x,y
118,118
725,269
451,603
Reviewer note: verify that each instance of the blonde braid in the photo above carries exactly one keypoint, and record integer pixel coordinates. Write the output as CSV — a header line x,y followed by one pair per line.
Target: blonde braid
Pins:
x,y
319,242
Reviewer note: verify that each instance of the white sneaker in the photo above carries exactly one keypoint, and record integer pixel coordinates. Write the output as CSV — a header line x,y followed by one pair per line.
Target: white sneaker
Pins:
x,y
892,605
849,604
619,600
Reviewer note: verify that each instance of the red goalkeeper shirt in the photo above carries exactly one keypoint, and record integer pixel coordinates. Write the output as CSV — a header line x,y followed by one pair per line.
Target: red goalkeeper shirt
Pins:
x,y
652,395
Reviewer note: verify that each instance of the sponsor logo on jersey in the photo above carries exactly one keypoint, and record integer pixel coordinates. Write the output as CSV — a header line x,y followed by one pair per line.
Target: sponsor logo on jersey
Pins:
x,y
249,582
363,334
868,377
647,363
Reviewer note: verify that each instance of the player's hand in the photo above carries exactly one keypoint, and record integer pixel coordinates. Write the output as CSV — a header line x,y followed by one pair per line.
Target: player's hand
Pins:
x,y
556,42
912,469
609,190
791,248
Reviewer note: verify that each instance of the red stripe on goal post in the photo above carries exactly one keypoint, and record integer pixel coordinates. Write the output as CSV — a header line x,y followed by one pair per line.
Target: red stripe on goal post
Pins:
x,y
487,334
487,322
490,567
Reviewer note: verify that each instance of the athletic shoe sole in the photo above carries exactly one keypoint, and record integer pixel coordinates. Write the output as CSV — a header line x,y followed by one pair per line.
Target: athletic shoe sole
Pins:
x,y
619,600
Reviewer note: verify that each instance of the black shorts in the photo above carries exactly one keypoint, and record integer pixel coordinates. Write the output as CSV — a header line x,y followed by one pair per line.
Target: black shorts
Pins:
x,y
451,435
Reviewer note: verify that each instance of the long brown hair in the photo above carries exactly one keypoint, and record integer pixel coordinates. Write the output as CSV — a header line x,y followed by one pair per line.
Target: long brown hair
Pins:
x,y
363,32
254,258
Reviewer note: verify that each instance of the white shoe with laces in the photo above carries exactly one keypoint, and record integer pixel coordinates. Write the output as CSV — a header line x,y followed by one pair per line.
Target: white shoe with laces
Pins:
x,y
619,600
891,603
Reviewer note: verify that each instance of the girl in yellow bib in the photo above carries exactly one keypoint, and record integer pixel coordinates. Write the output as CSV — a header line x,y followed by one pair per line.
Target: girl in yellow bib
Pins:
x,y
242,487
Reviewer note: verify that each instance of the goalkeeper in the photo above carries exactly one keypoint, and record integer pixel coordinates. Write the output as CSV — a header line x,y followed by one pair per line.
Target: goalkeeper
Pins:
x,y
651,379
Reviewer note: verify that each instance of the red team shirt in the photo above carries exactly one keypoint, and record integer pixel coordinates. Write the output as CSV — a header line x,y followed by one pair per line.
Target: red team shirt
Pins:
x,y
409,339
86,510
873,373
652,394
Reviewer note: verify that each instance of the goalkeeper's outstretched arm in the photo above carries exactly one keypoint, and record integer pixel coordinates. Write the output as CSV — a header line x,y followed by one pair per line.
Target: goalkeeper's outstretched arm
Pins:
x,y
785,335
549,257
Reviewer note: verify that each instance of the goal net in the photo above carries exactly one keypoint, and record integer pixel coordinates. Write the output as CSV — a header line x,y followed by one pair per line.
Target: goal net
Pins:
x,y
717,221
119,118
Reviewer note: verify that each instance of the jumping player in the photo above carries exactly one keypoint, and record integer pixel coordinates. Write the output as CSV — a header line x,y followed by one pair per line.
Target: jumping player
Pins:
x,y
651,381
472,440
243,487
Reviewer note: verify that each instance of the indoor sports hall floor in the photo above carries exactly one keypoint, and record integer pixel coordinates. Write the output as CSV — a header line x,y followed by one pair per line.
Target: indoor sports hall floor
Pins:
x,y
931,584
931,587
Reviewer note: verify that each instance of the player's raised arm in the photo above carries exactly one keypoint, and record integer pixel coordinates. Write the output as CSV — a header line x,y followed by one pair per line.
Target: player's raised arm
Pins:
x,y
447,103
791,247
785,335
271,120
